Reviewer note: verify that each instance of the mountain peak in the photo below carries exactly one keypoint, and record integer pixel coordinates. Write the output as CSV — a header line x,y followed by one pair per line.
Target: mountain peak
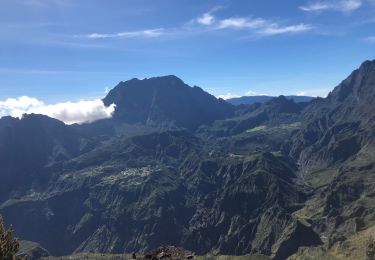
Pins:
x,y
368,64
165,101
281,99
282,104
165,79
358,87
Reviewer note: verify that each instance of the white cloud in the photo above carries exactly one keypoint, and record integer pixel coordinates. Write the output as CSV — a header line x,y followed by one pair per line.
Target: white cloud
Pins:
x,y
345,6
206,19
253,93
318,6
350,5
68,112
152,33
18,106
248,93
318,92
241,23
228,96
210,22
274,29
259,26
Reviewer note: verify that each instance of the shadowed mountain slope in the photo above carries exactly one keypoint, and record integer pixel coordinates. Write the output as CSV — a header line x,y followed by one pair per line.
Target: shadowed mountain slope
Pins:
x,y
338,127
335,149
176,166
165,188
166,101
30,143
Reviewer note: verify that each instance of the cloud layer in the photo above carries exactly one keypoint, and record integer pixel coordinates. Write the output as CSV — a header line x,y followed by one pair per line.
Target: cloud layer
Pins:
x,y
234,95
345,6
228,96
210,22
260,26
151,33
68,112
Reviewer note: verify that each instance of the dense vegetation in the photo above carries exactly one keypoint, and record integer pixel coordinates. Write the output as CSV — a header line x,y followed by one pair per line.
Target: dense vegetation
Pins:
x,y
8,244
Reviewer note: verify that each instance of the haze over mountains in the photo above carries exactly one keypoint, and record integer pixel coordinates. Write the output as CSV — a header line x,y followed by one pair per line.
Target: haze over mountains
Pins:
x,y
176,166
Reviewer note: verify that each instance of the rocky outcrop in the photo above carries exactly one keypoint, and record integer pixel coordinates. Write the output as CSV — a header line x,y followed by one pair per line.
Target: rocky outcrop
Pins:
x,y
167,252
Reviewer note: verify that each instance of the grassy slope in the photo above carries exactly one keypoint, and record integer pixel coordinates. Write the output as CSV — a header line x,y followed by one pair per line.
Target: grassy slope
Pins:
x,y
354,248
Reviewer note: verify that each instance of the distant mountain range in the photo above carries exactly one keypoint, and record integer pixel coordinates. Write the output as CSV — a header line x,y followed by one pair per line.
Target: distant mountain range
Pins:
x,y
176,166
249,100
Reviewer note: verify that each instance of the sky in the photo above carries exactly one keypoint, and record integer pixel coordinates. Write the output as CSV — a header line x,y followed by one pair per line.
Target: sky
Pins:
x,y
63,55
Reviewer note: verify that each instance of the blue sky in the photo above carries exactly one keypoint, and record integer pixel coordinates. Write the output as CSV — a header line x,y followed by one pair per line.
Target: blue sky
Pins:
x,y
68,50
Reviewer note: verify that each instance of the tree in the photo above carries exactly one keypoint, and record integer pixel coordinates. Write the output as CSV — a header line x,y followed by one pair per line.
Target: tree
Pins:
x,y
8,244
370,250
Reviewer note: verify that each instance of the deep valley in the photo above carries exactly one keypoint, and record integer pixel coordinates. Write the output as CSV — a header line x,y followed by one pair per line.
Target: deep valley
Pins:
x,y
177,166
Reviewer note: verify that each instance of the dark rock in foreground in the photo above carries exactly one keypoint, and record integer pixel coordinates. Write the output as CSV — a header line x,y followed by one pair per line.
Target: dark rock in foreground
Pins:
x,y
168,252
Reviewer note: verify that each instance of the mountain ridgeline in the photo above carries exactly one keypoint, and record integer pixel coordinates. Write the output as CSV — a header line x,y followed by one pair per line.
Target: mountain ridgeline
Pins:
x,y
176,166
249,100
166,101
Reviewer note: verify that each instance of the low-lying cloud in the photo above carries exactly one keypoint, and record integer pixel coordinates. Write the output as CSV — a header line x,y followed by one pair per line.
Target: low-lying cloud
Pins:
x,y
228,96
69,112
234,95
